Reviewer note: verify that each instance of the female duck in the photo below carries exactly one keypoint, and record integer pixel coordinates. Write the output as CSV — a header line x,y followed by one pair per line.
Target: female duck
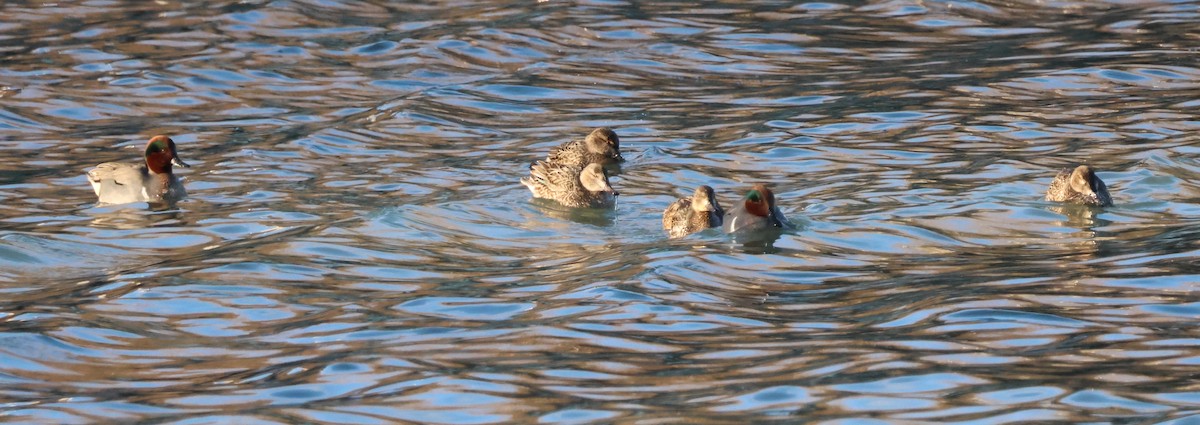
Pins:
x,y
602,146
691,215
575,187
152,181
1079,186
756,213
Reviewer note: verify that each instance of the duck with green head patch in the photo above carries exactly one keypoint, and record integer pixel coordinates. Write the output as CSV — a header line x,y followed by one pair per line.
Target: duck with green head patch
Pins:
x,y
756,213
690,215
151,181
1079,186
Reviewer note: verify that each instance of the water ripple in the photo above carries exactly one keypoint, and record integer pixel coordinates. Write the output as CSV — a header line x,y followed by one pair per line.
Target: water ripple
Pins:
x,y
356,247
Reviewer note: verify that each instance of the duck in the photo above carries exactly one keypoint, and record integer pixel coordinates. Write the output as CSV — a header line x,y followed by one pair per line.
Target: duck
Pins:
x,y
601,146
1079,186
690,215
571,186
756,213
151,181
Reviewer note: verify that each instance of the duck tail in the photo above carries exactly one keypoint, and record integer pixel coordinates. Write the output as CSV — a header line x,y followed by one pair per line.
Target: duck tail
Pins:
x,y
536,176
528,183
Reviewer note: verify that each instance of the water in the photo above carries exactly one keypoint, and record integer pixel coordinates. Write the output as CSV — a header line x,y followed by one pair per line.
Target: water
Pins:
x,y
356,247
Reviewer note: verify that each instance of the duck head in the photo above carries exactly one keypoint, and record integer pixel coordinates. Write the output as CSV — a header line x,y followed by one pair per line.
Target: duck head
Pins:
x,y
595,179
160,155
706,201
605,141
760,201
1084,181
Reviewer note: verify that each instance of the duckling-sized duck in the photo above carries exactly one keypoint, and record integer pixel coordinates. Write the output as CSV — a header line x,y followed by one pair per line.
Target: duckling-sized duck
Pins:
x,y
690,215
152,181
756,213
1079,186
601,146
572,186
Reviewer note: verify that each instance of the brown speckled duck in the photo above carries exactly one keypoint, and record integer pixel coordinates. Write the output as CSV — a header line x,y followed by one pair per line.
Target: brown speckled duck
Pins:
x,y
601,146
1079,186
572,186
690,215
151,181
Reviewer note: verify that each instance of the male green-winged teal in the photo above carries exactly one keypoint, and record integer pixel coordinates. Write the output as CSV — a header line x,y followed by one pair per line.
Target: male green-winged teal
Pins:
x,y
151,181
756,213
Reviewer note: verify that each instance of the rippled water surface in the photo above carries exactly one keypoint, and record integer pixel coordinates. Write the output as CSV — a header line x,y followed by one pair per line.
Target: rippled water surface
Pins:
x,y
356,247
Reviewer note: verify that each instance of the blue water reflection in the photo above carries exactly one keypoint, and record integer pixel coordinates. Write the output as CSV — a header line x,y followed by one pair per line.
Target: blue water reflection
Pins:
x,y
356,247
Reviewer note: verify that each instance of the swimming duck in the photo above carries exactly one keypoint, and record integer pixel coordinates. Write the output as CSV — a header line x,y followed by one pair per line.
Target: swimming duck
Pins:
x,y
1079,186
572,186
152,181
601,146
756,213
689,215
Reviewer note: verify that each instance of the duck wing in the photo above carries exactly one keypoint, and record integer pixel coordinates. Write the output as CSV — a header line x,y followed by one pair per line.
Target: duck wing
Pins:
x,y
116,183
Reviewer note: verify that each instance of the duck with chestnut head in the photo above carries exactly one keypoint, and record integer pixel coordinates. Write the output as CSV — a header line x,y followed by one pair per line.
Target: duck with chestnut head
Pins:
x,y
756,213
150,181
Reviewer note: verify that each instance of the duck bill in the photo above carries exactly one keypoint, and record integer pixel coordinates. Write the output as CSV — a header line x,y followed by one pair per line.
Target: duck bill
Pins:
x,y
619,158
776,219
605,187
179,162
1089,194
1097,188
